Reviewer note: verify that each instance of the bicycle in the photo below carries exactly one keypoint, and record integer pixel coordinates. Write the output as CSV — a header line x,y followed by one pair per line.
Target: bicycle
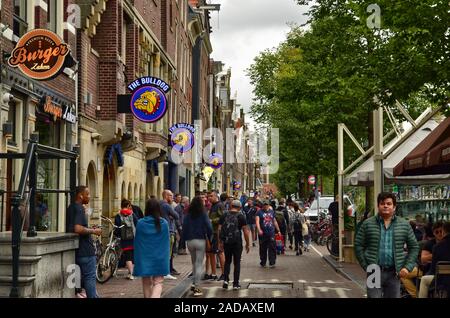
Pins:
x,y
108,261
333,240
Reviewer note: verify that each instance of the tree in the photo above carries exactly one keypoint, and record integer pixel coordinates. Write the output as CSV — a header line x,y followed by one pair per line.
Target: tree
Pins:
x,y
330,73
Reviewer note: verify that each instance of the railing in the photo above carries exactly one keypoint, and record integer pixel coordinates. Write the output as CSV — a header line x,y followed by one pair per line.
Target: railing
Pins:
x,y
29,173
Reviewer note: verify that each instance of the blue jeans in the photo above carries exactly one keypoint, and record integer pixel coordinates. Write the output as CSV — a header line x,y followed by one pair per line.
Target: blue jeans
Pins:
x,y
88,267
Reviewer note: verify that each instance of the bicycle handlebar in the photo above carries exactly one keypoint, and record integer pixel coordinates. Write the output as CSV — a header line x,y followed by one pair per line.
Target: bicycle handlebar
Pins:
x,y
111,222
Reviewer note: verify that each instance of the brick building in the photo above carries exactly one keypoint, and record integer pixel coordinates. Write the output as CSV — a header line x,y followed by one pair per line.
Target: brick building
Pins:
x,y
22,104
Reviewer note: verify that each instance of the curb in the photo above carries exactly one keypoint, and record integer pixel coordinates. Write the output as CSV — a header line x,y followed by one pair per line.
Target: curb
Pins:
x,y
338,268
180,290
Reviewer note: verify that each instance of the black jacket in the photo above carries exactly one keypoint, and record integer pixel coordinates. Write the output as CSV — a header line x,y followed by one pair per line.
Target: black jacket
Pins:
x,y
441,252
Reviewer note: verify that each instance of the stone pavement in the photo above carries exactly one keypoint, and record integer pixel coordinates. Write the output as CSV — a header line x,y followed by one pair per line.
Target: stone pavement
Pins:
x,y
305,276
352,272
120,287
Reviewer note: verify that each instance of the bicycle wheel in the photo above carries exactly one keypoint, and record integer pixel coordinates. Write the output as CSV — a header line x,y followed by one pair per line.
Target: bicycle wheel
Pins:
x,y
332,240
106,266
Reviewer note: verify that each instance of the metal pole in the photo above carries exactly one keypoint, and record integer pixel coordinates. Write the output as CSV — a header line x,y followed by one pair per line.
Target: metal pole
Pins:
x,y
378,175
340,188
16,224
33,180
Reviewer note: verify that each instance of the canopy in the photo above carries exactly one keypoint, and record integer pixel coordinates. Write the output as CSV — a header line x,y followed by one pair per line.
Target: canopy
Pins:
x,y
430,157
363,175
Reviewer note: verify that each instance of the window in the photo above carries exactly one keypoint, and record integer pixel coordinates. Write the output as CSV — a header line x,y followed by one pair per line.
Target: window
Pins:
x,y
12,120
20,24
52,15
124,40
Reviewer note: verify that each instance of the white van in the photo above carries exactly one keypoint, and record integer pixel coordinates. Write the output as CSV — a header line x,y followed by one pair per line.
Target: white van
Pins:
x,y
324,202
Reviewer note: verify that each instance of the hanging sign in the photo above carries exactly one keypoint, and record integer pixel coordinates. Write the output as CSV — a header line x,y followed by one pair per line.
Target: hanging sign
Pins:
x,y
215,161
40,54
181,137
148,101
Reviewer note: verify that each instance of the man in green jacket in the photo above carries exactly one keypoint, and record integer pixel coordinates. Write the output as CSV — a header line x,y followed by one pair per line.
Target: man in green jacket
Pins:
x,y
379,246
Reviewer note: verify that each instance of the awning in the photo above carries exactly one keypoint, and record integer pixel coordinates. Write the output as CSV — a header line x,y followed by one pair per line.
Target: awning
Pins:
x,y
363,175
430,157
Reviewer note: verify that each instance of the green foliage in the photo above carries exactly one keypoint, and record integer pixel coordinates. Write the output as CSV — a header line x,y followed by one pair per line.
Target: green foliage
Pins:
x,y
330,73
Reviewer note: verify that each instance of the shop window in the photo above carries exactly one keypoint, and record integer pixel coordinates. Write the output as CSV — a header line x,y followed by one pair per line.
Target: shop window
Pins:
x,y
20,24
12,120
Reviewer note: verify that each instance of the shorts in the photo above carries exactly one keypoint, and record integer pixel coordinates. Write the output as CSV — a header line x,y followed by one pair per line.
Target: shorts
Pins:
x,y
214,246
252,227
128,256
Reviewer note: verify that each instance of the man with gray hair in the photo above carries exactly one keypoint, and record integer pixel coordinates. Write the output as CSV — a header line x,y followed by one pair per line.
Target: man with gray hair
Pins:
x,y
230,226
182,210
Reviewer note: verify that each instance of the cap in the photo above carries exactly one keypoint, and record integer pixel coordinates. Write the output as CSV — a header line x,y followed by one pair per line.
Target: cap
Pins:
x,y
266,202
236,204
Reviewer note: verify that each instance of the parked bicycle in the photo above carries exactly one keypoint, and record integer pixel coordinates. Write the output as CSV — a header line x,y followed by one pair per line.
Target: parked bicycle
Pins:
x,y
333,240
108,261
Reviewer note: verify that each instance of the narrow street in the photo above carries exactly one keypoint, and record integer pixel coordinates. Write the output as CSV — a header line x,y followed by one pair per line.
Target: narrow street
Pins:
x,y
304,276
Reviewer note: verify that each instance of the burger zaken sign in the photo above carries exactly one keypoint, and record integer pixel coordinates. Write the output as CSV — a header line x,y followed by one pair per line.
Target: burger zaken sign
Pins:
x,y
40,54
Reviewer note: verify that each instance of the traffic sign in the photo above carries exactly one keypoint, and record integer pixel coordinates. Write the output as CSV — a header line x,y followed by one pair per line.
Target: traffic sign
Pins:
x,y
312,180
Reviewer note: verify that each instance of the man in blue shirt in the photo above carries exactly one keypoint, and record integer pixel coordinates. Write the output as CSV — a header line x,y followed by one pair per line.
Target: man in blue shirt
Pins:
x,y
76,222
267,226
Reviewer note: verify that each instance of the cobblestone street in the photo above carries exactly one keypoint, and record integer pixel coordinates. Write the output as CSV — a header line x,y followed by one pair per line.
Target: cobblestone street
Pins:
x,y
305,276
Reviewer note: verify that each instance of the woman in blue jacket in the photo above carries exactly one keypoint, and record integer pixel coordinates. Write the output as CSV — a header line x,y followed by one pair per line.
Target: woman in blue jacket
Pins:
x,y
196,230
151,250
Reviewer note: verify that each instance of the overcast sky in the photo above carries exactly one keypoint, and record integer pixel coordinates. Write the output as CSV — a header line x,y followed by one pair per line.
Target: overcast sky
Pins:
x,y
242,29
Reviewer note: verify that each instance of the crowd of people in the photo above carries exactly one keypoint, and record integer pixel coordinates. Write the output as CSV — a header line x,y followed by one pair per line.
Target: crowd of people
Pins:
x,y
212,227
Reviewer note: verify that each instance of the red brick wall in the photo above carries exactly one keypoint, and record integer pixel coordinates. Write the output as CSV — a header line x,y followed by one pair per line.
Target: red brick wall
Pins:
x,y
150,10
62,84
106,43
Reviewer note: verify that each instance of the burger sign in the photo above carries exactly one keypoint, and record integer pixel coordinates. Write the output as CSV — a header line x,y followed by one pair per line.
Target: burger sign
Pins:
x,y
40,54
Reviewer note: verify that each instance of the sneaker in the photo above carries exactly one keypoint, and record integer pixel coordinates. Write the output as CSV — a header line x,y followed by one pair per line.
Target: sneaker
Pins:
x,y
212,277
182,252
174,272
254,244
170,277
197,292
225,284
192,287
236,286
222,277
206,277
272,266
81,295
130,277
262,265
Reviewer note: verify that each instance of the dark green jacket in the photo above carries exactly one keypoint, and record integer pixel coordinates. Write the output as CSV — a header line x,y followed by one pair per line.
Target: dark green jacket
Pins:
x,y
367,243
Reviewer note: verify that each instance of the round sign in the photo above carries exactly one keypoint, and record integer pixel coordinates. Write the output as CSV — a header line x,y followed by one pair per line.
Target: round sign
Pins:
x,y
182,140
312,180
215,161
39,54
148,104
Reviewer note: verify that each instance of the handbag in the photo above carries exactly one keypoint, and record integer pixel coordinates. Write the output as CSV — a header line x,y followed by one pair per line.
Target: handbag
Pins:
x,y
305,229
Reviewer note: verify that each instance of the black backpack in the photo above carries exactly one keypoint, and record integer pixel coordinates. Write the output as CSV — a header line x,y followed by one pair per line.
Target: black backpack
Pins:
x,y
127,232
230,232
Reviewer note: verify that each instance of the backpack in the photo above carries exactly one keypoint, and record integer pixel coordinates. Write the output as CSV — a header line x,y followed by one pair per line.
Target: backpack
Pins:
x,y
268,226
127,232
230,232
